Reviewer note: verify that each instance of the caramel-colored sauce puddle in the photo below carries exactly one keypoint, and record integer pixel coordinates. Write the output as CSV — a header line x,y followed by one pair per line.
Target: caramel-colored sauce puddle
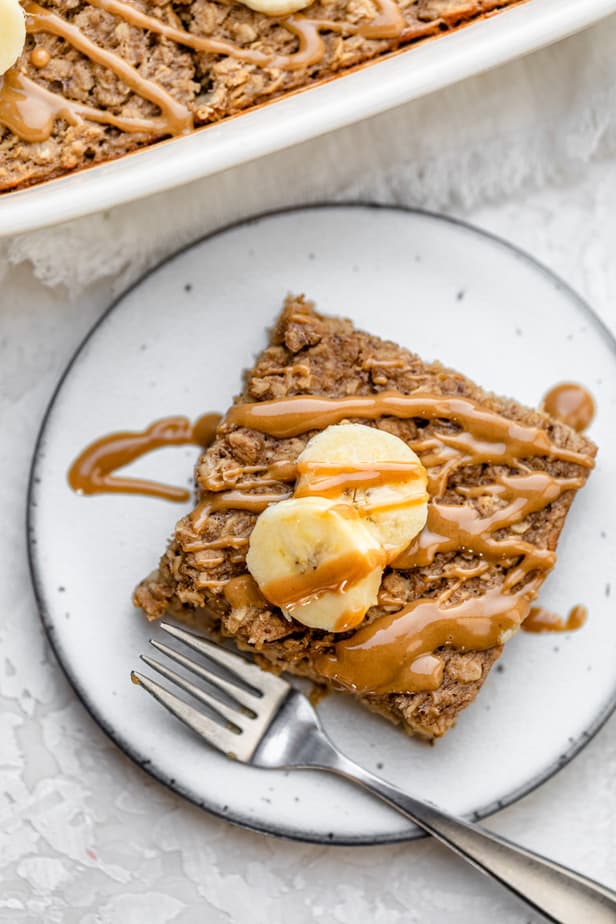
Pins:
x,y
570,403
92,472
542,620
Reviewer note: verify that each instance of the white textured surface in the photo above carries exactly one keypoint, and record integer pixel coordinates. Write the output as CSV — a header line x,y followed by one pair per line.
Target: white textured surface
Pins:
x,y
87,837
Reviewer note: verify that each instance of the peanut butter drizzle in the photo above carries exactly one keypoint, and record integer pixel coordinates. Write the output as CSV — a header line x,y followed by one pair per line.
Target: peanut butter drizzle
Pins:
x,y
452,527
388,23
350,619
233,500
570,403
225,542
430,667
30,111
399,652
40,57
92,471
244,591
389,656
486,437
391,602
176,119
334,576
282,472
542,620
242,500
331,480
135,17
401,504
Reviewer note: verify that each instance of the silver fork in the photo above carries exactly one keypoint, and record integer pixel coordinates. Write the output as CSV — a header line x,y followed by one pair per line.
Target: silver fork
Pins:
x,y
263,721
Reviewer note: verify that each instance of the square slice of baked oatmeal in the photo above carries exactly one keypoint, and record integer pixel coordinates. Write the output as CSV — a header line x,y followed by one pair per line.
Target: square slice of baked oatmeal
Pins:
x,y
500,479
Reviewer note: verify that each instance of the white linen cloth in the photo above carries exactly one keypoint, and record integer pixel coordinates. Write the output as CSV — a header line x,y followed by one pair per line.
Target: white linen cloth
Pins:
x,y
534,121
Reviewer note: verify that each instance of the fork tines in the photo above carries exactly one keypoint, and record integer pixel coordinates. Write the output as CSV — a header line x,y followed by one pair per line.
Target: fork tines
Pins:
x,y
243,705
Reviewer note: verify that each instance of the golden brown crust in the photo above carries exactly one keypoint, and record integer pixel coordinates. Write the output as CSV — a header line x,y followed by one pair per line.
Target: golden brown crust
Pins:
x,y
310,354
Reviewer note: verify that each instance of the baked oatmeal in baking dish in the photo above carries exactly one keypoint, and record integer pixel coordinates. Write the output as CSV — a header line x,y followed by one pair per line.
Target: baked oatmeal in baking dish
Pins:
x,y
96,79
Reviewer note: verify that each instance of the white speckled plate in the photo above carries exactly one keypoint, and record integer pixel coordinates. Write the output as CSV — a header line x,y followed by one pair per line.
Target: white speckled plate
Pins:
x,y
176,343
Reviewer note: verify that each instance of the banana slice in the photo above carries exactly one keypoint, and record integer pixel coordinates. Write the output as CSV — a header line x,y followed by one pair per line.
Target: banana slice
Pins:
x,y
314,558
12,33
277,7
374,471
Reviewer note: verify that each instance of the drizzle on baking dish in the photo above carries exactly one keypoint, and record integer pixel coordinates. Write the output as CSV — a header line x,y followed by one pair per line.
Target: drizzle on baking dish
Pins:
x,y
31,110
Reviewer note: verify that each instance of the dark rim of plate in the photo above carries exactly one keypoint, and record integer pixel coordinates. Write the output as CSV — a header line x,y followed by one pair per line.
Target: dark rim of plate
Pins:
x,y
125,746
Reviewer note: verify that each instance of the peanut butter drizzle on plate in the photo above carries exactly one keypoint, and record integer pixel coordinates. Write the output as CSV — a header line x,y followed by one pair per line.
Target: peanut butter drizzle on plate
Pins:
x,y
542,620
31,110
398,652
92,471
570,403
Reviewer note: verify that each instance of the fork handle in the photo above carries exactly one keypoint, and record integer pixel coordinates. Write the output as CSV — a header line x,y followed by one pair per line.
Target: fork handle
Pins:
x,y
561,894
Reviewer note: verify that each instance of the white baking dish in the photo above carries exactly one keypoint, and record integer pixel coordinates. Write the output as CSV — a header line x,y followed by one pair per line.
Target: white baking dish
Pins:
x,y
349,98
